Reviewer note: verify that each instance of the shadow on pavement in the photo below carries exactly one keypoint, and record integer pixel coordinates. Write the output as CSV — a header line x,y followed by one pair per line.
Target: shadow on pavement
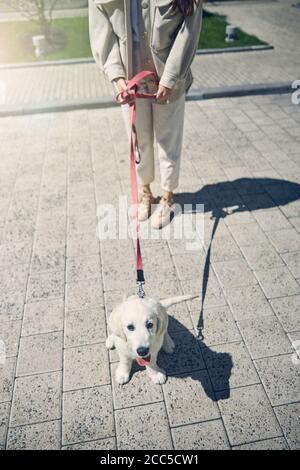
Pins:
x,y
230,197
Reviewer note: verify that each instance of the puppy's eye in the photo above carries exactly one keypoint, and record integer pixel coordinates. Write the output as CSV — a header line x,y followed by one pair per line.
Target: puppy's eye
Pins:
x,y
130,327
149,325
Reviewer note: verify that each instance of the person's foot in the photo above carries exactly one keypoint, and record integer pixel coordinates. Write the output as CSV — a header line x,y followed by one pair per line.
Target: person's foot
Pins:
x,y
163,213
146,201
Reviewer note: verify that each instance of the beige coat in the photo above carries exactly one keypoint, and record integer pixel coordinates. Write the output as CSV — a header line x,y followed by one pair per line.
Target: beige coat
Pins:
x,y
173,41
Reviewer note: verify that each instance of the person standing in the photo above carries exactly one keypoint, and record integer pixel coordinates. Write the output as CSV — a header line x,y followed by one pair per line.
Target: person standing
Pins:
x,y
129,36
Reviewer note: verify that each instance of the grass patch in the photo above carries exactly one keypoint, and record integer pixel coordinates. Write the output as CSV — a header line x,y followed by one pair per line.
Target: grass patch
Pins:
x,y
72,38
71,33
213,34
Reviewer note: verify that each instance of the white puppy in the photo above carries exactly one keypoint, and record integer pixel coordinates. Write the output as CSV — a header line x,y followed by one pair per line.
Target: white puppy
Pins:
x,y
138,332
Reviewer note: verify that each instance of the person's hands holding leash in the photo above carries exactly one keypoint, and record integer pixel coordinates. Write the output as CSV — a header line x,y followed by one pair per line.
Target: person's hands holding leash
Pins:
x,y
122,85
163,93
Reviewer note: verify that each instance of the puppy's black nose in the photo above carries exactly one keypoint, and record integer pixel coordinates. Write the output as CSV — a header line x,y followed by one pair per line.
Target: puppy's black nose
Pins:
x,y
143,352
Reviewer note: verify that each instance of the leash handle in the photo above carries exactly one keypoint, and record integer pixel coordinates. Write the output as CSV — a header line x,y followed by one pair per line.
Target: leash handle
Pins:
x,y
129,96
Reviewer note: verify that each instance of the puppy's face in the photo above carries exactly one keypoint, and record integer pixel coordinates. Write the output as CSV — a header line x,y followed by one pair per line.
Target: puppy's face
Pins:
x,y
140,324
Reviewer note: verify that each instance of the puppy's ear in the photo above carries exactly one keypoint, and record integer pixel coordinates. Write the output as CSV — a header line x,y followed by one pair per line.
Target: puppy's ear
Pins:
x,y
162,319
114,322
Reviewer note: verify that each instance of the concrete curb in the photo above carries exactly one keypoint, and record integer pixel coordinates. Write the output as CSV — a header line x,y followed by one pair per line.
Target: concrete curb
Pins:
x,y
264,47
240,90
108,101
46,63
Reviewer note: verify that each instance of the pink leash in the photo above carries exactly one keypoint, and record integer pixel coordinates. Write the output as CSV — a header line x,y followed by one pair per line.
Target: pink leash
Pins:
x,y
129,96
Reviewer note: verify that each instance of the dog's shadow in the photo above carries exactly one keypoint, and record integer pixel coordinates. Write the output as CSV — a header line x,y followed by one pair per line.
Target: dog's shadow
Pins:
x,y
193,358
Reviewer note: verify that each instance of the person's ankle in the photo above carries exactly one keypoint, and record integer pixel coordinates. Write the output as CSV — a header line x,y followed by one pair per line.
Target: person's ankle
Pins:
x,y
168,197
146,189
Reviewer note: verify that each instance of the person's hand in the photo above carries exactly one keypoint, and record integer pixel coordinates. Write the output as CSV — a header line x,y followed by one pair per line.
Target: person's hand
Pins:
x,y
163,93
122,86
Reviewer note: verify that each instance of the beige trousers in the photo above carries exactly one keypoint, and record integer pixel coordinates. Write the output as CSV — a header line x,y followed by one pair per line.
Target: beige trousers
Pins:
x,y
159,127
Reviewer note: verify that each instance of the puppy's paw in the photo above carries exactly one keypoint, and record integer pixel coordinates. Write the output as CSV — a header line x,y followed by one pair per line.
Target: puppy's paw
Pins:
x,y
122,376
109,343
159,377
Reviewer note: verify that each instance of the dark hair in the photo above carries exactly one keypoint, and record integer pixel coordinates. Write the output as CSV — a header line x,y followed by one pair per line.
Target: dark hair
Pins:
x,y
185,6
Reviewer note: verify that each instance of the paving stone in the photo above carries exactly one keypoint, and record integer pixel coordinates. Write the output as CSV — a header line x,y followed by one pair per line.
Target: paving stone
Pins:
x,y
82,223
83,268
121,250
295,221
287,310
116,277
102,444
15,232
262,256
41,436
10,334
293,262
48,257
87,415
84,326
248,234
15,253
85,366
189,265
278,443
84,294
242,216
45,286
190,398
7,375
40,353
248,302
12,304
224,249
82,244
219,326
4,418
139,391
164,286
211,294
209,435
291,207
289,419
257,202
148,427
285,240
14,278
179,318
271,219
234,273
36,398
265,337
230,366
43,317
281,378
277,282
186,357
248,415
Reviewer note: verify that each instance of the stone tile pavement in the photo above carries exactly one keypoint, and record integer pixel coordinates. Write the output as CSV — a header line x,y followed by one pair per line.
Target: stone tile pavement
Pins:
x,y
237,388
276,23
